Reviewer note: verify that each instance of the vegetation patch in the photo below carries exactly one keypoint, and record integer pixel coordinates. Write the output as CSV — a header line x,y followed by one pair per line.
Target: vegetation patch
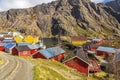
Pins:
x,y
1,61
44,73
52,70
59,68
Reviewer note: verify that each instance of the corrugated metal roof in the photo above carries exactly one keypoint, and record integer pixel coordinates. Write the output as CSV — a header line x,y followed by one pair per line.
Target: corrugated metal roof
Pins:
x,y
10,45
55,50
80,54
34,46
51,52
8,40
2,44
23,48
23,44
97,39
106,49
46,54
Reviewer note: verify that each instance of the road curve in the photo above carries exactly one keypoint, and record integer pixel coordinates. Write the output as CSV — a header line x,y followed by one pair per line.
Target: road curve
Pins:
x,y
15,68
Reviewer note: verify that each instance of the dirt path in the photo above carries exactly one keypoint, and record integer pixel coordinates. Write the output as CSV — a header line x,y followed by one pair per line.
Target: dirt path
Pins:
x,y
15,68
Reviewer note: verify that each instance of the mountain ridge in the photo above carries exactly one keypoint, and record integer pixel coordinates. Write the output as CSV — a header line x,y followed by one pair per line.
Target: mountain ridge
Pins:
x,y
68,17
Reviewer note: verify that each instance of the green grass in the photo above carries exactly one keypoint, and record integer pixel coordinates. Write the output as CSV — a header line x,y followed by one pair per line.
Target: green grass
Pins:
x,y
57,67
44,73
53,70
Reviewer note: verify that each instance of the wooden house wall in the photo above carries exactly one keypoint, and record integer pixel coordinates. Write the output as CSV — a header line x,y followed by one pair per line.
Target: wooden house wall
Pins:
x,y
2,48
98,42
38,55
101,53
78,42
14,51
25,53
33,51
78,65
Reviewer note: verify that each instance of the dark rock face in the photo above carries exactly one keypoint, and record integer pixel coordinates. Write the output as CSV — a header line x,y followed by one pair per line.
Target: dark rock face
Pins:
x,y
111,11
68,17
114,4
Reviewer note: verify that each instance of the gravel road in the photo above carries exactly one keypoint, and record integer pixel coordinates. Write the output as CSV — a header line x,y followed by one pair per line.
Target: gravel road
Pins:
x,y
15,68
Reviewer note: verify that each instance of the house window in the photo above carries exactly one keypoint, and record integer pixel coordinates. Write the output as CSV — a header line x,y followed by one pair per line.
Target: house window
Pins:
x,y
24,52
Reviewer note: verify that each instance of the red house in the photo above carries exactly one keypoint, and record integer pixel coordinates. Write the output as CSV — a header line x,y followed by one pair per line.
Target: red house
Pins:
x,y
105,51
93,67
78,61
21,51
98,41
90,46
2,47
43,54
55,53
58,53
34,48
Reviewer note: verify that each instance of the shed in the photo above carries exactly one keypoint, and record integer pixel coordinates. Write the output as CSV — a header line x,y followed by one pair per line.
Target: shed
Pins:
x,y
105,51
21,51
78,61
8,47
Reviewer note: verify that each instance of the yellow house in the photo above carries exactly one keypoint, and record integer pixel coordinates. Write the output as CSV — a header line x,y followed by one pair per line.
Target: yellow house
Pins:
x,y
18,39
29,39
78,40
36,39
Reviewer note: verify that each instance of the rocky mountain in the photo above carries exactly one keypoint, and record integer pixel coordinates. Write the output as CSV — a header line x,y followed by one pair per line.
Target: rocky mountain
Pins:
x,y
114,4
68,17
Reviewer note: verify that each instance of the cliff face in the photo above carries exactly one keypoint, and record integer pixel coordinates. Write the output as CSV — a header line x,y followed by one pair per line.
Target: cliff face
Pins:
x,y
69,17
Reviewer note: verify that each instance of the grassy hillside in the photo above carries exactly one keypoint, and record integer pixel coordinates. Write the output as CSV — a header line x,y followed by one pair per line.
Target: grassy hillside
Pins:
x,y
53,70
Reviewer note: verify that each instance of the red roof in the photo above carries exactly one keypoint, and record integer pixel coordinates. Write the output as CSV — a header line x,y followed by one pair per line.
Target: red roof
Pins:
x,y
78,38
